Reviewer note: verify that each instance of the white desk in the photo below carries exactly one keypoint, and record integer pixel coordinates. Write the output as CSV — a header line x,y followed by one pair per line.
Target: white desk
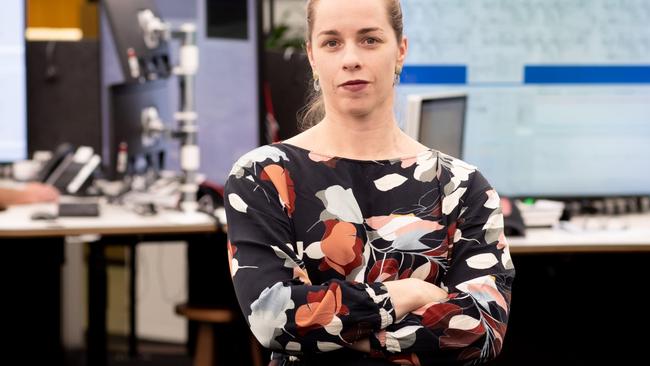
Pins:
x,y
115,225
629,233
16,222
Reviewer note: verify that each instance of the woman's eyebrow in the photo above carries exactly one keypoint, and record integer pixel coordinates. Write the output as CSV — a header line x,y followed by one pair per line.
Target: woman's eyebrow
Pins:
x,y
369,30
361,31
329,33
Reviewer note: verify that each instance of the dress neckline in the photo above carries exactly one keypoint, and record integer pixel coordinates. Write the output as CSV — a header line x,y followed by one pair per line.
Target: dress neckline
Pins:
x,y
366,161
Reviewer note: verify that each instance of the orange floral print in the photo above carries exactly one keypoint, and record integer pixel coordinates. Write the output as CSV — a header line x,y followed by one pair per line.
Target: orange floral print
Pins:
x,y
282,181
341,246
320,309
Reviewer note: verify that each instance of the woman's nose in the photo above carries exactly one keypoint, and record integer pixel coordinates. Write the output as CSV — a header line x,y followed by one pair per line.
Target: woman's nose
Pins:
x,y
351,61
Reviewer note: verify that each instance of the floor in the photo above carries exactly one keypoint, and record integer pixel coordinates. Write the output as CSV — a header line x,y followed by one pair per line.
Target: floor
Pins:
x,y
150,353
233,350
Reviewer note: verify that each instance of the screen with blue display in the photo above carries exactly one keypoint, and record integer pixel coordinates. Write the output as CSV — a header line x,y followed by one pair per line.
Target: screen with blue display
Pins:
x,y
13,110
558,90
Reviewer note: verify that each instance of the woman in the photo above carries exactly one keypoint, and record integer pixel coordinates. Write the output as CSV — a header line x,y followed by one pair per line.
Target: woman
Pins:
x,y
353,244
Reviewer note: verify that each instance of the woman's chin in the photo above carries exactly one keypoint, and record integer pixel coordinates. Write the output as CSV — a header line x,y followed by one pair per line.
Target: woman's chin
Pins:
x,y
357,111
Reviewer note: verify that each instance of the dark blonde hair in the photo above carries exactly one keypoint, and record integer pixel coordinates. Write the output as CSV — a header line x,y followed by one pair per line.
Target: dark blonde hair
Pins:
x,y
314,111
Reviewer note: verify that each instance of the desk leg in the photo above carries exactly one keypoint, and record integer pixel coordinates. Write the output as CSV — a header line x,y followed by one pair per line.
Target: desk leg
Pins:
x,y
30,278
97,304
133,341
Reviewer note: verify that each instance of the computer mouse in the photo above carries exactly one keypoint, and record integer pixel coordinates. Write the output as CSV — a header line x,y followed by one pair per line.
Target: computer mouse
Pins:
x,y
43,216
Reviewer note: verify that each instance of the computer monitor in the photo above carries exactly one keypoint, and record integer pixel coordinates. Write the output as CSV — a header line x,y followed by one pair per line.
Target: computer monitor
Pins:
x,y
130,106
437,121
13,110
143,53
553,113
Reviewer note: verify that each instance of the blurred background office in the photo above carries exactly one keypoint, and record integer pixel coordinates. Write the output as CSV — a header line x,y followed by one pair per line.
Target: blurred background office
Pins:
x,y
150,109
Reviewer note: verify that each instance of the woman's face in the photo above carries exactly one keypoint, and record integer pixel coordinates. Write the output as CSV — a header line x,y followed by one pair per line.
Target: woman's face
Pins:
x,y
355,52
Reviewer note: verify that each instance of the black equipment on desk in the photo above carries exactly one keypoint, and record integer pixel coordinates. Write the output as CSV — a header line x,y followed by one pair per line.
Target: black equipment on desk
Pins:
x,y
71,172
61,152
513,222
79,209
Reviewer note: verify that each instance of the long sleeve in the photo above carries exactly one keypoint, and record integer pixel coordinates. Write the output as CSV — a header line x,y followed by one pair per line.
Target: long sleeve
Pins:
x,y
470,325
285,311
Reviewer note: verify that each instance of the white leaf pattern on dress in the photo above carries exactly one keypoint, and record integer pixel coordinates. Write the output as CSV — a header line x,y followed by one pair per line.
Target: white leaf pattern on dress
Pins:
x,y
450,202
402,338
463,322
404,231
327,346
493,200
422,272
484,289
389,182
234,267
288,261
314,251
293,347
389,225
340,204
373,295
459,171
493,226
268,316
482,261
237,203
335,326
506,260
426,169
257,156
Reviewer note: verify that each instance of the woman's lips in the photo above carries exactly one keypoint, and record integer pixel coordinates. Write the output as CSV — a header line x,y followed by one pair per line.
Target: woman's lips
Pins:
x,y
355,86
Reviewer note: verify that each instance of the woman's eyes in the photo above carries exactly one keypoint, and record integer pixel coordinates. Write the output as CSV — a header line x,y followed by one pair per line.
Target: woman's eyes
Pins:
x,y
369,41
331,44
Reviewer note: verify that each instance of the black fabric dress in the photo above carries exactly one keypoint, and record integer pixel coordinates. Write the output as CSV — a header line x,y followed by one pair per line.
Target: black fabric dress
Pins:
x,y
312,238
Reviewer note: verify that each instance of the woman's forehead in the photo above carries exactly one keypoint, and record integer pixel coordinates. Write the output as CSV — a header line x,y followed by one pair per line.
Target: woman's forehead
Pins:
x,y
347,15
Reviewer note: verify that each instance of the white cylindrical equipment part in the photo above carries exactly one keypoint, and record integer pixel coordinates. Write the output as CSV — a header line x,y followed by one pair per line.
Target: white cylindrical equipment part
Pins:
x,y
190,157
189,206
189,59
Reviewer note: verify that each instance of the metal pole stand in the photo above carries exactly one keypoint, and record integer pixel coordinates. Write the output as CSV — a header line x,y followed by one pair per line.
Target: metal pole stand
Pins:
x,y
187,116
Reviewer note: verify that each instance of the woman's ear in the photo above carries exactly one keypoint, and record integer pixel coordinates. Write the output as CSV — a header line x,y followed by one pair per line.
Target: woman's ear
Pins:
x,y
310,56
402,50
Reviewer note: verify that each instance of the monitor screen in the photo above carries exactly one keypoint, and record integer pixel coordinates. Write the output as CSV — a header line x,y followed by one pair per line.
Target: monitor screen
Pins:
x,y
442,123
558,91
13,110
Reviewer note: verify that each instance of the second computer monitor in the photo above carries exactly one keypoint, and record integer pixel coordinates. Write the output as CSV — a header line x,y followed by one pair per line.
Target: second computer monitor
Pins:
x,y
438,121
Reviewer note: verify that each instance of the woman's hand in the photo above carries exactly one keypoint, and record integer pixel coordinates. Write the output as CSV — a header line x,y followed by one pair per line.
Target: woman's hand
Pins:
x,y
362,345
411,293
38,192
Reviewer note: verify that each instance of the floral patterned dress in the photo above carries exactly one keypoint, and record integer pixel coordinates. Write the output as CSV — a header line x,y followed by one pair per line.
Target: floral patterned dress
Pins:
x,y
312,239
